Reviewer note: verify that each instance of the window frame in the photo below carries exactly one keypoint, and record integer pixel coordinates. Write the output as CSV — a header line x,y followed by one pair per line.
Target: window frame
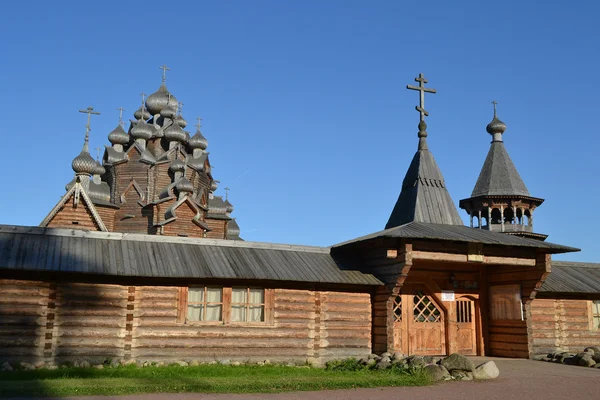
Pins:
x,y
594,315
182,307
205,305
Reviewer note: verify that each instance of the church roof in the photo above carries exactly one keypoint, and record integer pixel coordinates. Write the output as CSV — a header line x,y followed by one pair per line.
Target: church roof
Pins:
x,y
135,255
459,233
573,277
499,176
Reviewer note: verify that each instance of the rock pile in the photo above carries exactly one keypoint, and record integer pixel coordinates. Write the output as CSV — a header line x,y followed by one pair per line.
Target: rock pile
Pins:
x,y
590,357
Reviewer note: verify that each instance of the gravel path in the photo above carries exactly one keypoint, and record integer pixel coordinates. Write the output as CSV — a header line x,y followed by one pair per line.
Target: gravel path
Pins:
x,y
519,379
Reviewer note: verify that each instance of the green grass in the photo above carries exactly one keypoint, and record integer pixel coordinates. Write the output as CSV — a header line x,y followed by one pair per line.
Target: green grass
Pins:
x,y
203,378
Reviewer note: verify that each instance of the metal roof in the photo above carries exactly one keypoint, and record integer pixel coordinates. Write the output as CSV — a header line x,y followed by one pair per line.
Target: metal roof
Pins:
x,y
459,233
424,197
499,176
573,277
126,254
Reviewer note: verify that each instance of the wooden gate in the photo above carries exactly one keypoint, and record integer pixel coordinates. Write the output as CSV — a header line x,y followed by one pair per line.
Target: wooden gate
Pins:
x,y
466,338
426,333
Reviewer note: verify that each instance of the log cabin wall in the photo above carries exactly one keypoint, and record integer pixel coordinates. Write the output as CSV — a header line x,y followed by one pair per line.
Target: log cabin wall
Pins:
x,y
183,225
562,325
107,215
217,228
74,217
58,322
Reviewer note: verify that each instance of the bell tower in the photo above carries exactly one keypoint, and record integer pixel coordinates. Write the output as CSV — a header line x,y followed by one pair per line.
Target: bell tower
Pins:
x,y
500,201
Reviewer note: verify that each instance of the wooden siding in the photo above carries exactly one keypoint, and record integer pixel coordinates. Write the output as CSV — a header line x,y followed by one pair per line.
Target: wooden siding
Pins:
x,y
558,324
217,228
107,215
66,321
23,318
74,217
183,225
508,338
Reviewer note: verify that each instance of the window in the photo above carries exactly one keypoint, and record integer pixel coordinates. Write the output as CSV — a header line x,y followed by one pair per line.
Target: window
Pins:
x,y
595,315
505,302
225,305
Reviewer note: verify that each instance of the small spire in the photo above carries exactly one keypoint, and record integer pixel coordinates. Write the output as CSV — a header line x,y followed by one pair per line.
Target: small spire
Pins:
x,y
165,69
421,109
143,99
198,124
89,111
494,102
227,193
121,109
179,108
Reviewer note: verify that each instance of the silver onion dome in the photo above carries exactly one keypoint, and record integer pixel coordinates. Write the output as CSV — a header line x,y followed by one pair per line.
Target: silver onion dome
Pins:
x,y
168,112
229,206
496,126
174,133
142,113
198,141
184,185
84,163
157,101
118,136
141,130
98,169
213,185
179,120
177,166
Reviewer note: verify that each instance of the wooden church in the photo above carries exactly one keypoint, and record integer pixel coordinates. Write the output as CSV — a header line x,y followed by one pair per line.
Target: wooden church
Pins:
x,y
139,260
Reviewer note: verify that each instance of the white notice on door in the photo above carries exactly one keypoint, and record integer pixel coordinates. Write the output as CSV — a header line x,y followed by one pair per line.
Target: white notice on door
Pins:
x,y
447,295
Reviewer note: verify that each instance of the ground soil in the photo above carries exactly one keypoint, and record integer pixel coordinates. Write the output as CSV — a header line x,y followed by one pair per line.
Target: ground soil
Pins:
x,y
519,379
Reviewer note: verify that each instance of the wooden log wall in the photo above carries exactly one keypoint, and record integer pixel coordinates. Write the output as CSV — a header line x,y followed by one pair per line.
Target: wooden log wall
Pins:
x,y
508,338
217,228
74,217
58,322
107,215
23,318
558,324
183,225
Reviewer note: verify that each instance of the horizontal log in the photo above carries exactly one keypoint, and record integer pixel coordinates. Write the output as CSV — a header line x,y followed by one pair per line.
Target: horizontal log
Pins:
x,y
6,352
91,312
66,321
91,332
508,338
303,307
22,320
225,333
105,352
508,346
220,343
23,310
220,354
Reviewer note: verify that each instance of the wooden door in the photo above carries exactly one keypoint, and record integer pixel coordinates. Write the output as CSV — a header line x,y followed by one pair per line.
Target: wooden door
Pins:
x,y
426,333
466,337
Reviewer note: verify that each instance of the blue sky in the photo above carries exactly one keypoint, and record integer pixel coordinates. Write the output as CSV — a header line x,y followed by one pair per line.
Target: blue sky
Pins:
x,y
304,102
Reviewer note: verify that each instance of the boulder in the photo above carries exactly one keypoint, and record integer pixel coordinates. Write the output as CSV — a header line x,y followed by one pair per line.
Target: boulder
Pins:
x,y
458,362
373,356
181,363
538,357
398,356
385,359
52,367
596,357
586,361
6,367
487,370
592,349
237,363
26,366
437,372
416,361
386,354
99,366
461,375
227,362
40,364
194,363
383,364
84,364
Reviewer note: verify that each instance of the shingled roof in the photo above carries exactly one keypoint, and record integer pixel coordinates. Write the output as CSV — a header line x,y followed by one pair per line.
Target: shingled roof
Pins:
x,y
36,249
499,176
573,277
424,197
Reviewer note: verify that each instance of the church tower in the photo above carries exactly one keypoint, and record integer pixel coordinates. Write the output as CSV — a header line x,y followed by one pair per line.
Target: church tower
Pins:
x,y
500,201
155,179
424,197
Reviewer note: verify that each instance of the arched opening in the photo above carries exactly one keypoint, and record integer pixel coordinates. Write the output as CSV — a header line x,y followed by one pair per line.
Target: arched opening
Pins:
x,y
476,222
509,215
496,216
519,216
527,218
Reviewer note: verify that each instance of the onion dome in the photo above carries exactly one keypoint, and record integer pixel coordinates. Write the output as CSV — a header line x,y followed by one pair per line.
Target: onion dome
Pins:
x,y
229,206
168,112
496,126
174,133
157,101
198,141
142,113
84,163
177,166
179,120
184,185
141,130
214,185
118,136
98,169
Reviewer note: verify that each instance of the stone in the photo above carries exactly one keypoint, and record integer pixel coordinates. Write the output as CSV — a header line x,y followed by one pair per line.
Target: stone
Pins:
x,y
227,362
538,357
213,362
84,364
487,370
594,349
52,367
237,363
26,366
373,356
267,362
363,361
572,360
383,365
181,363
194,363
371,362
160,364
386,354
400,362
398,356
597,365
415,361
457,361
99,366
586,361
115,364
437,360
461,375
596,357
40,364
437,372
6,366
385,359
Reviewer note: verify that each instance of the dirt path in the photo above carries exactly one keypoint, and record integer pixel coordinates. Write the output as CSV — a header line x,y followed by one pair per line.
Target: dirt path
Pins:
x,y
519,379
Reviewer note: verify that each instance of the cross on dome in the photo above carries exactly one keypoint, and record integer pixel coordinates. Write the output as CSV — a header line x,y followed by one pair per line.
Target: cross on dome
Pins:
x,y
422,89
120,109
165,69
198,124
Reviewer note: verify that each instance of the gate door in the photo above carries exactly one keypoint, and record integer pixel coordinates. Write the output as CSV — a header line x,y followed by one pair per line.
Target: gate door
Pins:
x,y
426,328
465,327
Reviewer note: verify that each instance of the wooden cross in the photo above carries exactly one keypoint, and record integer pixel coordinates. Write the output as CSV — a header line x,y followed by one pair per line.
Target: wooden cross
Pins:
x,y
494,102
89,111
165,69
227,193
143,101
179,107
198,124
121,109
422,89
97,153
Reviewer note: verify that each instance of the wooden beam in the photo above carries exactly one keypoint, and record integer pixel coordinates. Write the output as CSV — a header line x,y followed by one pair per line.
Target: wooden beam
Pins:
x,y
463,258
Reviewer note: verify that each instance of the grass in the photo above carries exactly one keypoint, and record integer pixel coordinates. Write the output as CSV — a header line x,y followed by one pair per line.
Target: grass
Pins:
x,y
203,378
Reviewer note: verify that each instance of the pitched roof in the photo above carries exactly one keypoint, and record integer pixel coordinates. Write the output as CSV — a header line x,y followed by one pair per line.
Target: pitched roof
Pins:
x,y
459,233
498,176
424,197
136,255
573,277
